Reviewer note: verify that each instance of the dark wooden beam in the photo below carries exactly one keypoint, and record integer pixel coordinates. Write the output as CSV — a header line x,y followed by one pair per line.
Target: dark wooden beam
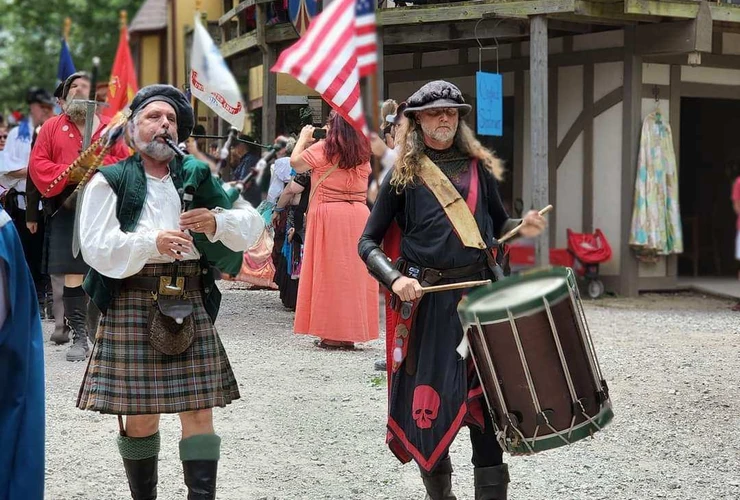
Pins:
x,y
448,32
675,121
588,149
269,79
682,9
273,34
538,123
631,121
678,37
707,60
505,65
465,11
552,144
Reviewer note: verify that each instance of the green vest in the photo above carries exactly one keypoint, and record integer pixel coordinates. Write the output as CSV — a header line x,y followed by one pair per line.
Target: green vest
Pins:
x,y
128,180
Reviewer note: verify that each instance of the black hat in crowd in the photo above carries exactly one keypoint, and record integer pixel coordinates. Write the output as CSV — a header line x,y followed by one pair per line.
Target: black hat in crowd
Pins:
x,y
37,95
437,94
70,79
173,97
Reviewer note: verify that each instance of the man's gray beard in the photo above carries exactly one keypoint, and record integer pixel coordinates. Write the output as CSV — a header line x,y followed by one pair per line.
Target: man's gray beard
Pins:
x,y
76,109
154,149
439,135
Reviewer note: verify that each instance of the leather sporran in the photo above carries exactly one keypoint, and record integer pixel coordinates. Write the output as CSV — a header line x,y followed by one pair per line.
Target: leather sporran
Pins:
x,y
166,335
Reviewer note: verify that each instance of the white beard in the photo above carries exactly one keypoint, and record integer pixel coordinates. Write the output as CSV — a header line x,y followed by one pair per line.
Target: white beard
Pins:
x,y
439,134
77,110
155,149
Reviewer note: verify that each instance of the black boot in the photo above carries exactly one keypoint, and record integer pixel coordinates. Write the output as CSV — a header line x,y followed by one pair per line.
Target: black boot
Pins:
x,y
438,483
200,478
75,315
140,456
142,477
199,455
491,483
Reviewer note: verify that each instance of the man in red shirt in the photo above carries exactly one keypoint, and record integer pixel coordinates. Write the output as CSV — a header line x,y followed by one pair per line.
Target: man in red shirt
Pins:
x,y
59,144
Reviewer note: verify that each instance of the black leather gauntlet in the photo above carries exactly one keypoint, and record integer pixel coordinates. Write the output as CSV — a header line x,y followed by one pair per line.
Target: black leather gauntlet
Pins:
x,y
381,269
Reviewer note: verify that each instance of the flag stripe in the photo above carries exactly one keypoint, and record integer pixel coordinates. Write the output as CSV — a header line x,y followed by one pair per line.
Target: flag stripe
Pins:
x,y
338,48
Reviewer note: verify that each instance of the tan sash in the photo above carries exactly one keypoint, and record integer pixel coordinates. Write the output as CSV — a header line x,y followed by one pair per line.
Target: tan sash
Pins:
x,y
452,203
315,189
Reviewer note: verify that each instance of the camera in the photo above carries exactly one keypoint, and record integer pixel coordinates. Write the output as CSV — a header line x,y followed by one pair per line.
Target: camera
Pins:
x,y
319,133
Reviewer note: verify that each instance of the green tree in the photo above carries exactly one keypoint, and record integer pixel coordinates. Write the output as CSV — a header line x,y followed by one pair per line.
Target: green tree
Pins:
x,y
30,41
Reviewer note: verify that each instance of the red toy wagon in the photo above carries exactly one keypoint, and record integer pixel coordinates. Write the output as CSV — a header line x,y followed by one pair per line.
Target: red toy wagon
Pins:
x,y
584,254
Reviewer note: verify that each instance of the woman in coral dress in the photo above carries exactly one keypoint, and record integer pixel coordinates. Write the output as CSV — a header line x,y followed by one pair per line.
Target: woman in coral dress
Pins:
x,y
337,298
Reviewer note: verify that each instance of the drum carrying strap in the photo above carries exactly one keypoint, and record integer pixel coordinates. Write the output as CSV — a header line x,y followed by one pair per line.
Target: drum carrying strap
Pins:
x,y
455,207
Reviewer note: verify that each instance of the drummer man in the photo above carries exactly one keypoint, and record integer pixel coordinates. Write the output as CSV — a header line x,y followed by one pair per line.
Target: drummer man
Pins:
x,y
433,392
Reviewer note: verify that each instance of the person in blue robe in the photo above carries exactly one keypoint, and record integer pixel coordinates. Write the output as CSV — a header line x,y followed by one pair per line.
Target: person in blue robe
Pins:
x,y
21,374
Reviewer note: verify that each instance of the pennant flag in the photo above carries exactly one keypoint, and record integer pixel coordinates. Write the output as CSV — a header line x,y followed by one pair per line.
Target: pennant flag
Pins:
x,y
122,85
339,47
66,66
211,82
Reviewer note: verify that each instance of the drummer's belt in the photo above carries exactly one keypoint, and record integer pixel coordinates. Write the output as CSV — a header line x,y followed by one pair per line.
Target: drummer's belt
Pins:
x,y
426,276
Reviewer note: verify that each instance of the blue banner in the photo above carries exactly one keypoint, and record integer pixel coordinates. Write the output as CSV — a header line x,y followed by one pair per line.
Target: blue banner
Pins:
x,y
66,66
489,99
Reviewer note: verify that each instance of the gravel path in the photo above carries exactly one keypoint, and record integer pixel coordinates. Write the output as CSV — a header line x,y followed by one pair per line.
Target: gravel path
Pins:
x,y
310,424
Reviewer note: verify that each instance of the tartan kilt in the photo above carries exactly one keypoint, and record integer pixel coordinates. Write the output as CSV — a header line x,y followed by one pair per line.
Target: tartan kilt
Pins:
x,y
127,376
58,248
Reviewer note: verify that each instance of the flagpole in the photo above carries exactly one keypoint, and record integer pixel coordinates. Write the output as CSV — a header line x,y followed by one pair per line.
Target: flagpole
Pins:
x,y
67,27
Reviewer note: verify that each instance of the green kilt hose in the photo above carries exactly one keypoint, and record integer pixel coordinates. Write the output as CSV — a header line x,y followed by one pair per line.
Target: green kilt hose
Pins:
x,y
127,376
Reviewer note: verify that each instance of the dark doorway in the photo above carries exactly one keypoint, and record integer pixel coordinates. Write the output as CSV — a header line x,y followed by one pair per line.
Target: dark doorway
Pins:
x,y
709,144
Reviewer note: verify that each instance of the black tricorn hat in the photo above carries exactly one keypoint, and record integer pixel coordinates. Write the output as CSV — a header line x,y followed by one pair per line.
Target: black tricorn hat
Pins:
x,y
172,96
70,79
437,94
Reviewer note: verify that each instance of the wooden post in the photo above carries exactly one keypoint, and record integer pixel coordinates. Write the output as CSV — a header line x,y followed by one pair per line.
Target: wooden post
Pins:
x,y
538,123
519,103
269,79
631,120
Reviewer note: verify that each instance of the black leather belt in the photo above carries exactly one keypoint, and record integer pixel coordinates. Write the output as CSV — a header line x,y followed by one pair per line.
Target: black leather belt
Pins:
x,y
431,276
151,283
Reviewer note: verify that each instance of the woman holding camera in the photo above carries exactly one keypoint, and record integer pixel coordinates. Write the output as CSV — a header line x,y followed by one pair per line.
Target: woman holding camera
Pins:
x,y
337,298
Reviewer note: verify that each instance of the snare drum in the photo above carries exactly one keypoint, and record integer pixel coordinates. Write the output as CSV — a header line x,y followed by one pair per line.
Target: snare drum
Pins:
x,y
536,362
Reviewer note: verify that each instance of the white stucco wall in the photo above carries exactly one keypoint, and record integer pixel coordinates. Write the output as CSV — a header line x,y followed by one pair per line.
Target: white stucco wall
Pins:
x,y
607,77
570,98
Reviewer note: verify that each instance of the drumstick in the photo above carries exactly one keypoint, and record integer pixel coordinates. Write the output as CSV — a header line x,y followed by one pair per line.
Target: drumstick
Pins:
x,y
515,231
454,286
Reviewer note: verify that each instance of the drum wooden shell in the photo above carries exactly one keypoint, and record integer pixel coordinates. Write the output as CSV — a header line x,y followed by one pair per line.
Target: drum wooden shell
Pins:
x,y
536,361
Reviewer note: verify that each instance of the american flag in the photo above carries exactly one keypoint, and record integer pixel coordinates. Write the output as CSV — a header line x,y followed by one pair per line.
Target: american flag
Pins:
x,y
339,47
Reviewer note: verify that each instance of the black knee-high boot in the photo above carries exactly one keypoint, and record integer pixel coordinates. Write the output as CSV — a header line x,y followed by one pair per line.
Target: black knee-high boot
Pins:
x,y
491,483
438,482
75,315
199,455
140,457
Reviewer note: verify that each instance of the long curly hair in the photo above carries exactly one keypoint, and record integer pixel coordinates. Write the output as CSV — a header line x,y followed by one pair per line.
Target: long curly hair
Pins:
x,y
408,164
344,145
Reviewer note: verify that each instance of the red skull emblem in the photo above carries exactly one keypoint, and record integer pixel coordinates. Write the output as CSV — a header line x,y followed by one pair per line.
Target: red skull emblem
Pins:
x,y
425,406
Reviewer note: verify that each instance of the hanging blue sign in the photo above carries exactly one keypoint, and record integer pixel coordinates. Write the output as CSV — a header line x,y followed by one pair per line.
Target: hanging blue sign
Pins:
x,y
489,98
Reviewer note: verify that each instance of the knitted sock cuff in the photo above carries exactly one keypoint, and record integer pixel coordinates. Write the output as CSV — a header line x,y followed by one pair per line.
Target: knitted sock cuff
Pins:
x,y
138,448
76,291
200,447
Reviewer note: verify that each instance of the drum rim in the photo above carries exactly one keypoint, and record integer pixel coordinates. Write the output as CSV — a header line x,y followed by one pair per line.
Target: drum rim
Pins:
x,y
580,432
468,317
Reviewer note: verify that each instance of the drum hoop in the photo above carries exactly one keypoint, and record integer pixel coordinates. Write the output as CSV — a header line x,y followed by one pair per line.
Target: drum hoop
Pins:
x,y
582,431
465,306
524,314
